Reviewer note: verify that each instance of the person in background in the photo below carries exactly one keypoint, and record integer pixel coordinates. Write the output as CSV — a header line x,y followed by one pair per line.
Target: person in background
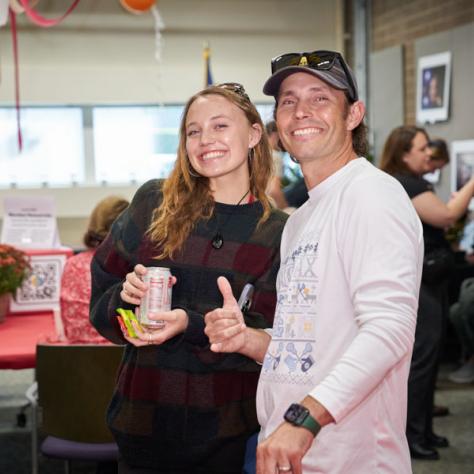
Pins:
x,y
294,194
178,407
439,154
439,158
461,315
76,278
407,155
332,392
275,185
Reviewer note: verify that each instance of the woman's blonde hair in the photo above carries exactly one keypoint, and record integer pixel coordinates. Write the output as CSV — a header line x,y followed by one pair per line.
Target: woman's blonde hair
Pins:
x,y
187,197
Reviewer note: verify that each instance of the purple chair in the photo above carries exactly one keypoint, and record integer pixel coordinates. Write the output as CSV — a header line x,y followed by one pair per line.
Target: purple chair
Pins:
x,y
73,388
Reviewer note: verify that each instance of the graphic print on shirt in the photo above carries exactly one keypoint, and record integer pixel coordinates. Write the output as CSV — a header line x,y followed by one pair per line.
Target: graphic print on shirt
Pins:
x,y
290,358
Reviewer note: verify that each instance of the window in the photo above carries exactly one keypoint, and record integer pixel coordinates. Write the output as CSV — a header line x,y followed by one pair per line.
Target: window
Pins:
x,y
84,145
134,144
53,147
266,112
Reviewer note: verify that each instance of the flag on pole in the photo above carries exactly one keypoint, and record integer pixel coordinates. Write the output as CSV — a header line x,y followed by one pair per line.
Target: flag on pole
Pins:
x,y
207,66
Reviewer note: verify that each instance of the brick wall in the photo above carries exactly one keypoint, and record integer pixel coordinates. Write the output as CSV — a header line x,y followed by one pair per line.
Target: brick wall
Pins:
x,y
396,22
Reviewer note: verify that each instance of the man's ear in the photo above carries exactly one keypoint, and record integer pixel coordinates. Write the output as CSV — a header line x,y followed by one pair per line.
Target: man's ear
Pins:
x,y
356,115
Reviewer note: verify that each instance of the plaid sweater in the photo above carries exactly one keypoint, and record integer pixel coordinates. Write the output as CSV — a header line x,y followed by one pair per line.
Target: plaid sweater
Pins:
x,y
179,407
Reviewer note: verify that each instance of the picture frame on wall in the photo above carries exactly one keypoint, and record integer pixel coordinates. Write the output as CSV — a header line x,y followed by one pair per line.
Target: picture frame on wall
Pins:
x,y
433,88
462,163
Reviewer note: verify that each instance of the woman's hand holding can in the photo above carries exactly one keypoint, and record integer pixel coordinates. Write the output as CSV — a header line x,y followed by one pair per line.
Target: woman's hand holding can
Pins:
x,y
133,288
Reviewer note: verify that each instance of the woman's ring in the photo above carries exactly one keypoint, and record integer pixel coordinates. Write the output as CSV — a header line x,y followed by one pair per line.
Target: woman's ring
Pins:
x,y
149,339
284,468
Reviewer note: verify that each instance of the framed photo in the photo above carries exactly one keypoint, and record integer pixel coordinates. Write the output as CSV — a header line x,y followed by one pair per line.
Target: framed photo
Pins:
x,y
462,163
432,88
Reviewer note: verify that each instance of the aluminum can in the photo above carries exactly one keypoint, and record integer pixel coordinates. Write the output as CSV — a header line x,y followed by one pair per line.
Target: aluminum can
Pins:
x,y
158,296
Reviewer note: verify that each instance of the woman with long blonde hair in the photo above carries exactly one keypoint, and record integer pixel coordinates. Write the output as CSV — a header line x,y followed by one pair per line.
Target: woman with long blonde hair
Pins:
x,y
178,406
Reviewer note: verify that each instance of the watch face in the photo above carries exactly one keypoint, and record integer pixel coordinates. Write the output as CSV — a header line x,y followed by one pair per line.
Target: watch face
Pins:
x,y
296,414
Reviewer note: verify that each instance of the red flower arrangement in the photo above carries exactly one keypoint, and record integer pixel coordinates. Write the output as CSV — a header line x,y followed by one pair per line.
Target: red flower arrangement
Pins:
x,y
14,267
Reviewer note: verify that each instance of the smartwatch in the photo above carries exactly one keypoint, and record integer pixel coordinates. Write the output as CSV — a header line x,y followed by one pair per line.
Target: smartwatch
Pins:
x,y
298,415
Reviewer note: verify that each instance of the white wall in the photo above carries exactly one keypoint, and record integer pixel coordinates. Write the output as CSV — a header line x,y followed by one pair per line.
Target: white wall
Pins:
x,y
107,56
386,80
102,54
459,124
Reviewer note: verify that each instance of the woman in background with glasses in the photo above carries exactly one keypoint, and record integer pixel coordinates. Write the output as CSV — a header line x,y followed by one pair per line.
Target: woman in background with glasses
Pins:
x,y
177,406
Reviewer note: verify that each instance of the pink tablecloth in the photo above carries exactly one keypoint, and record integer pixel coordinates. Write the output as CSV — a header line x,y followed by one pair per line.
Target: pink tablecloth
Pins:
x,y
19,335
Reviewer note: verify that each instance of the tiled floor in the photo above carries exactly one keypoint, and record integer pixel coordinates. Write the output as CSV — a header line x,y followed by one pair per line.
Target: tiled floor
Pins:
x,y
15,442
458,427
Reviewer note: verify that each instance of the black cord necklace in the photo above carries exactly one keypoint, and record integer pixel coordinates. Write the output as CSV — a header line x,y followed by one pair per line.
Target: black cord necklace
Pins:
x,y
218,240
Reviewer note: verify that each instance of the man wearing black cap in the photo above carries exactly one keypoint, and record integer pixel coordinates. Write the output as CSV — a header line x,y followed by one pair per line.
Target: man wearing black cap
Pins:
x,y
333,386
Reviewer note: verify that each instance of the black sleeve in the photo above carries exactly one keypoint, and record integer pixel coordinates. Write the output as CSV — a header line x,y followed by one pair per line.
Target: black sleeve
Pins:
x,y
414,185
117,256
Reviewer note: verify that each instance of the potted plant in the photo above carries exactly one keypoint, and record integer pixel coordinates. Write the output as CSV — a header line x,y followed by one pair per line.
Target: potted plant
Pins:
x,y
14,267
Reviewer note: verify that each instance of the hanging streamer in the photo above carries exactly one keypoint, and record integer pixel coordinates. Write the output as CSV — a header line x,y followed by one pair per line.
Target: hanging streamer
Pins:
x,y
17,78
159,25
39,20
17,8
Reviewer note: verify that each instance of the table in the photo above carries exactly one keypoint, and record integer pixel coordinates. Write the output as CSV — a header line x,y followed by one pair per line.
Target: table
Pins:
x,y
19,334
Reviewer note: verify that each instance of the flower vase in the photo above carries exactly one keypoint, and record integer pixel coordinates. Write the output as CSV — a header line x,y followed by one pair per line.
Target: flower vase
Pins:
x,y
4,304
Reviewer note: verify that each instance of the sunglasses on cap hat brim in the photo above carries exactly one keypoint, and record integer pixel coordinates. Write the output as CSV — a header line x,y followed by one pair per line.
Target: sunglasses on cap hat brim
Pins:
x,y
320,63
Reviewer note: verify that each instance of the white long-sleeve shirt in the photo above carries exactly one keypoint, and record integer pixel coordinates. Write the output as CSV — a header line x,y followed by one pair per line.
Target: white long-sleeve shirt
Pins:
x,y
345,320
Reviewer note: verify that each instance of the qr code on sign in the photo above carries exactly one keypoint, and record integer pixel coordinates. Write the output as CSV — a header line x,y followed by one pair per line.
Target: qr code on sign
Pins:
x,y
43,283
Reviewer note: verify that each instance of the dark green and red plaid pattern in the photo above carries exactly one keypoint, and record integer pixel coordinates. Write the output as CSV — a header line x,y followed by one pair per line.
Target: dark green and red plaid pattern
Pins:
x,y
179,407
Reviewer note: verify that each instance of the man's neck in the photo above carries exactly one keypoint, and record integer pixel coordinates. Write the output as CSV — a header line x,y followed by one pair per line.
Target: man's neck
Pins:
x,y
316,171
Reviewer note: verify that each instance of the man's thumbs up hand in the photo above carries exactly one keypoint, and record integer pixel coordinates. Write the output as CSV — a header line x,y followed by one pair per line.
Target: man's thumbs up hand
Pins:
x,y
230,303
225,327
